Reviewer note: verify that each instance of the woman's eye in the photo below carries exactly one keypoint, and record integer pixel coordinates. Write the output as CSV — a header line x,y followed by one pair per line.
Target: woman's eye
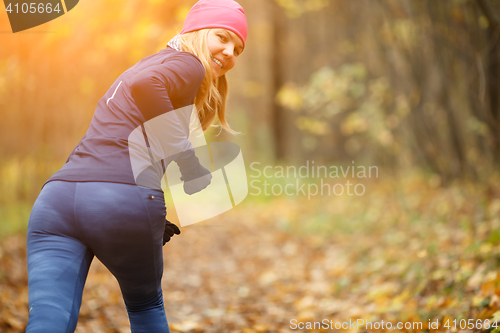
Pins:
x,y
221,37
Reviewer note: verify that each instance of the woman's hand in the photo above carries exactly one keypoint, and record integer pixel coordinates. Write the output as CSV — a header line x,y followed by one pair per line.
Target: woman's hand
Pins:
x,y
195,178
170,230
197,184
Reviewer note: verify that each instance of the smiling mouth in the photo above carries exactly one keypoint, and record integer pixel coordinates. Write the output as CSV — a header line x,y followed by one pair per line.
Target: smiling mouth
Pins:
x,y
217,62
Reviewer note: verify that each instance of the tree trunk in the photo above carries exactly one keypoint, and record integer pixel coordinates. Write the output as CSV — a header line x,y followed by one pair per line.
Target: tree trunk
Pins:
x,y
493,73
278,48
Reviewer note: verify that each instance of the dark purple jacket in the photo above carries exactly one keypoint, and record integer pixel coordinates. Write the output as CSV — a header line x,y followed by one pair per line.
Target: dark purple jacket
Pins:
x,y
159,83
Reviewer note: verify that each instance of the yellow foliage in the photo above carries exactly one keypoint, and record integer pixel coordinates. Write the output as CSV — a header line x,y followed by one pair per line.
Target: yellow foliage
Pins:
x,y
295,8
483,22
405,31
290,97
311,125
354,123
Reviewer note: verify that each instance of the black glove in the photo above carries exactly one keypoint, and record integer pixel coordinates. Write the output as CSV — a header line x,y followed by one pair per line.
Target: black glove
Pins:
x,y
197,180
194,175
170,230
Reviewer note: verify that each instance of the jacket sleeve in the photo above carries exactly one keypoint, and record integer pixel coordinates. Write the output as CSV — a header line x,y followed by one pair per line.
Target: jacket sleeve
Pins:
x,y
154,88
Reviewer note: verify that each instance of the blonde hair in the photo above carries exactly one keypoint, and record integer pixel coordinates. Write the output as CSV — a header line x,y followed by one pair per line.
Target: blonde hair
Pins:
x,y
211,99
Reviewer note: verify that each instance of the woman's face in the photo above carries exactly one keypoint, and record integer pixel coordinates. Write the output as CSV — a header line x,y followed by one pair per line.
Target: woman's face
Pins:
x,y
225,46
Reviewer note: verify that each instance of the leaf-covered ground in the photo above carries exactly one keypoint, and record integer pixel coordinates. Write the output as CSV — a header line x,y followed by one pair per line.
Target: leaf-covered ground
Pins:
x,y
406,251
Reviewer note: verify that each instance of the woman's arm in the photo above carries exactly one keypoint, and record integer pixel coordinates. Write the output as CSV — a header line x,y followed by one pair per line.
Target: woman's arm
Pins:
x,y
154,88
166,133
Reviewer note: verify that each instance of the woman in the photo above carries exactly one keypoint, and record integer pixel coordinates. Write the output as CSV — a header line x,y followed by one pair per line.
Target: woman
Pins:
x,y
102,204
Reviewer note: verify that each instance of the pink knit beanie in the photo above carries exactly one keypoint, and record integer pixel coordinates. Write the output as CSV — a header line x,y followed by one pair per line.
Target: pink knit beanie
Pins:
x,y
227,14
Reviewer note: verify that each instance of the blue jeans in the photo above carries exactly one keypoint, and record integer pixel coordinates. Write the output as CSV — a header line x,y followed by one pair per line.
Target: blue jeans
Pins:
x,y
122,225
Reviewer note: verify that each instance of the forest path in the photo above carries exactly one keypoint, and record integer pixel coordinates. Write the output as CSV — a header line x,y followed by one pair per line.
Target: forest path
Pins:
x,y
415,253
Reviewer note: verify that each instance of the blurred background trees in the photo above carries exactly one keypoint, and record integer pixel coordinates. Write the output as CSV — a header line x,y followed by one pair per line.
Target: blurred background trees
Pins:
x,y
393,83
411,86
